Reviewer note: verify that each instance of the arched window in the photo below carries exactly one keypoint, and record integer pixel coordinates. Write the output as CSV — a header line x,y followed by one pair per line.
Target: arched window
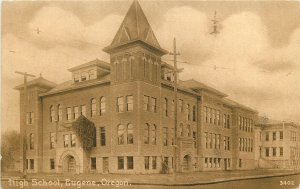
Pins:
x,y
131,64
165,106
145,65
150,68
59,108
121,134
102,105
172,109
188,112
180,130
194,114
124,71
129,134
31,141
188,130
153,134
116,69
93,107
52,114
146,133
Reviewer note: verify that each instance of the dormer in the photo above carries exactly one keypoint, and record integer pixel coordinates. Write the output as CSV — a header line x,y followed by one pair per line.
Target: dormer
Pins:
x,y
90,71
167,72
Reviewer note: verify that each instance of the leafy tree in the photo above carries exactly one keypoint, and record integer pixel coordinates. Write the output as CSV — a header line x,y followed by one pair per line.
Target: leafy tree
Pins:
x,y
10,149
86,132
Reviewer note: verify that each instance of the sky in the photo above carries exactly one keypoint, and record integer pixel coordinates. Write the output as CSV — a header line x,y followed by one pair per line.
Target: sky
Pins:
x,y
254,59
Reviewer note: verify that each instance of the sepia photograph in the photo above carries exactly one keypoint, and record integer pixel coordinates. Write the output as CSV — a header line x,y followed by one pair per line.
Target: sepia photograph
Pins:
x,y
150,94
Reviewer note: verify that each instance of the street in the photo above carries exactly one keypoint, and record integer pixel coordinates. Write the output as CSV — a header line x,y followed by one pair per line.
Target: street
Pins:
x,y
284,182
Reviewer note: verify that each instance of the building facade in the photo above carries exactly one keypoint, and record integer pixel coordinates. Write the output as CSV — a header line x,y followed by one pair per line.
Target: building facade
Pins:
x,y
277,145
131,102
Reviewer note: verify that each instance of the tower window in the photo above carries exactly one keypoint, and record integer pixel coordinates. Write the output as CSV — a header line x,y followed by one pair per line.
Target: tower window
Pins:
x,y
102,105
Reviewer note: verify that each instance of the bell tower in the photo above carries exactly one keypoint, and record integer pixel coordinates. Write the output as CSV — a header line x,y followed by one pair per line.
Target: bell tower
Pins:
x,y
135,53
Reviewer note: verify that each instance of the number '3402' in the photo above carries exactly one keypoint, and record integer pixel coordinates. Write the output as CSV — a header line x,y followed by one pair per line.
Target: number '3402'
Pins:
x,y
287,183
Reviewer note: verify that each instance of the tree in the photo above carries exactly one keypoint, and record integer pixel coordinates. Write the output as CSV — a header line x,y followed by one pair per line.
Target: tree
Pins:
x,y
86,132
10,149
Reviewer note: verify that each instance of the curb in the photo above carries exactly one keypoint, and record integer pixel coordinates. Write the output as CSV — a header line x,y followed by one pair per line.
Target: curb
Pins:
x,y
215,181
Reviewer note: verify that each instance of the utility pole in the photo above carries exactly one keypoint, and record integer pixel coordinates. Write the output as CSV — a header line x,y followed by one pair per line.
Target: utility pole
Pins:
x,y
26,75
215,25
175,71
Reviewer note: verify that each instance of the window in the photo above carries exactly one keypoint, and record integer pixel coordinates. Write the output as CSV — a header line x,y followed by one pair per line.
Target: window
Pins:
x,y
129,100
281,151
274,136
31,141
205,115
206,139
120,104
59,117
146,163
153,134
154,162
102,136
66,140
267,152
194,113
52,164
226,143
172,109
29,118
76,77
267,136
103,105
188,113
52,114
214,116
218,117
69,113
228,121
205,162
274,151
153,104
146,100
92,74
129,134
188,130
93,107
130,162
165,136
165,107
76,112
240,163
83,110
180,130
146,133
281,135
84,76
73,140
52,140
93,163
180,105
31,162
120,163
121,133
195,139
209,115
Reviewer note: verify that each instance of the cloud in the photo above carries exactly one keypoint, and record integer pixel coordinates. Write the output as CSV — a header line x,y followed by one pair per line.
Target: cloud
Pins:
x,y
60,27
239,60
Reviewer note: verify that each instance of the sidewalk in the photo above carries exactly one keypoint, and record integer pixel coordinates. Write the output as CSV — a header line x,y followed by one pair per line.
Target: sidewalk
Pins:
x,y
180,179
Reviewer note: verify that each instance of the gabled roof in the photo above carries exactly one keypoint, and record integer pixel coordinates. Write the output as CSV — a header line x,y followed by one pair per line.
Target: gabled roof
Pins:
x,y
232,103
196,85
135,27
39,82
96,62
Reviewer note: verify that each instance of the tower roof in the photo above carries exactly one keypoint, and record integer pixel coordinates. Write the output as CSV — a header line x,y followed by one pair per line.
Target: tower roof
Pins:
x,y
135,27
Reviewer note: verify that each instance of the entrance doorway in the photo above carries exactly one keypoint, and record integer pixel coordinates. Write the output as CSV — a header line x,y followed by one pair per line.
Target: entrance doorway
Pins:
x,y
69,165
187,164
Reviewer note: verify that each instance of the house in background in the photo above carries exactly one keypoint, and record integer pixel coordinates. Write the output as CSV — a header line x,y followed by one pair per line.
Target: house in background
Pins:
x,y
277,144
132,105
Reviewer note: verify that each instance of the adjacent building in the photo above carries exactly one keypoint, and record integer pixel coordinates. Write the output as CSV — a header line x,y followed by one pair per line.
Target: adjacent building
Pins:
x,y
277,144
131,102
